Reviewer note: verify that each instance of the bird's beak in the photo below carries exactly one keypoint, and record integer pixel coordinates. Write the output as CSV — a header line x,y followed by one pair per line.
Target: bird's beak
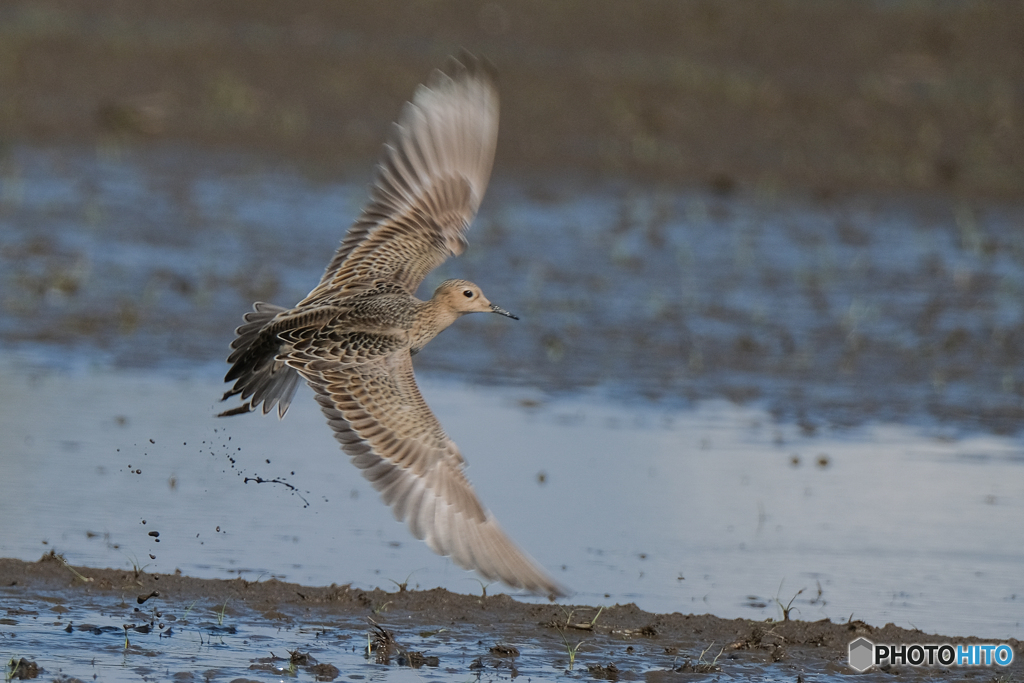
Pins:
x,y
502,311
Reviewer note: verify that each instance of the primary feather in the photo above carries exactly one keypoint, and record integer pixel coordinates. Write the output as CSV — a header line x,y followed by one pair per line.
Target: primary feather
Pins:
x,y
352,338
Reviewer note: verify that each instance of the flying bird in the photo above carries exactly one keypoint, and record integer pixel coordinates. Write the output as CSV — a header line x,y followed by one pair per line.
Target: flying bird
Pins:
x,y
353,337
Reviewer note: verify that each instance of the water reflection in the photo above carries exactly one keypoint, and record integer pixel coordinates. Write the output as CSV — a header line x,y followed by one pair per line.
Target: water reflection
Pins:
x,y
718,509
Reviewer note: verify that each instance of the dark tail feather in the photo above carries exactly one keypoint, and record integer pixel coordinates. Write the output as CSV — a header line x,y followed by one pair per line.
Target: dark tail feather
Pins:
x,y
259,377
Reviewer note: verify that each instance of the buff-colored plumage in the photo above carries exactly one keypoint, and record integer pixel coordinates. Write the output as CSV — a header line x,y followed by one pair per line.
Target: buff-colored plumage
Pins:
x,y
352,339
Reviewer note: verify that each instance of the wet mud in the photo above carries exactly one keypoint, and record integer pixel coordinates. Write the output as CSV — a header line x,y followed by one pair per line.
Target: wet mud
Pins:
x,y
156,622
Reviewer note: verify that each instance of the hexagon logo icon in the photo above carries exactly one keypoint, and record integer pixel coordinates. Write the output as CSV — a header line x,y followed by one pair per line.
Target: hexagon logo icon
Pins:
x,y
861,654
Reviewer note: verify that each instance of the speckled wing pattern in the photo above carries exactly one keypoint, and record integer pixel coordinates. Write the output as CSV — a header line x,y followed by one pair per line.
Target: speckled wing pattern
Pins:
x,y
381,420
429,183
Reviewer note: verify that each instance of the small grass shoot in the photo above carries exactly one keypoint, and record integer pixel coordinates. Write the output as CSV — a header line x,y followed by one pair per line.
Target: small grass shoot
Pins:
x,y
71,569
404,586
483,586
184,617
220,615
711,666
789,605
582,625
570,649
137,569
12,669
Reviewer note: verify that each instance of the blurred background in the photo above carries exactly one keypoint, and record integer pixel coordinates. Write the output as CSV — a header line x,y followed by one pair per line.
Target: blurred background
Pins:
x,y
821,97
768,259
815,205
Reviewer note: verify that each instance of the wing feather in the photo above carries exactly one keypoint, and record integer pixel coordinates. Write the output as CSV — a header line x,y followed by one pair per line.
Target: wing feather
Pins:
x,y
429,183
349,340
381,420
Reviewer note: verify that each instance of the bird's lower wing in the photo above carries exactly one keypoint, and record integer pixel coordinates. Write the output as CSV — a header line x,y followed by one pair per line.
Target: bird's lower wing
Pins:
x,y
381,420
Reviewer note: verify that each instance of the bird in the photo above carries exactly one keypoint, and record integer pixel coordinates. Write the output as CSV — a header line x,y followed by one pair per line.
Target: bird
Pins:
x,y
353,337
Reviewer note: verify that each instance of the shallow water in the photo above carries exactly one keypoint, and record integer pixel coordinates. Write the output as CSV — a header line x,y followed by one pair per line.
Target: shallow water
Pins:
x,y
716,510
89,629
712,404
826,313
96,644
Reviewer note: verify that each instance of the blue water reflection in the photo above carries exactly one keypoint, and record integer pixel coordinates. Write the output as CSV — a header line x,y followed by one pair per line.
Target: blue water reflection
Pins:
x,y
716,510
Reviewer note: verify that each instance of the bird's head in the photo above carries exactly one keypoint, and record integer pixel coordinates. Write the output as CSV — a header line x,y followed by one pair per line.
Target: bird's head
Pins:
x,y
462,296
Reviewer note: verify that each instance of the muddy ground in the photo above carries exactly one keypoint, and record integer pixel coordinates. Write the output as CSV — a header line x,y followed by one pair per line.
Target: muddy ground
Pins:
x,y
493,636
822,100
826,97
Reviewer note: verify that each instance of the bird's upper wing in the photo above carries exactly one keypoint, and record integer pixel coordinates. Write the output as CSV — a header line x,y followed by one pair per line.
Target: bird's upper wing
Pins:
x,y
379,416
429,183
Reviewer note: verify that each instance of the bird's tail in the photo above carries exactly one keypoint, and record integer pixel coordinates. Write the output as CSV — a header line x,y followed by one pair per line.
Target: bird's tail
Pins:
x,y
259,376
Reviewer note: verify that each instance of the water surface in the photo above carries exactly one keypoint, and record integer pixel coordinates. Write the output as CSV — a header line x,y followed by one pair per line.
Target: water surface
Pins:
x,y
715,510
825,312
713,403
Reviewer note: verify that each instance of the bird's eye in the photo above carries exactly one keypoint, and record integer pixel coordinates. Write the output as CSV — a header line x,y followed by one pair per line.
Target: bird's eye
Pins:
x,y
468,293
